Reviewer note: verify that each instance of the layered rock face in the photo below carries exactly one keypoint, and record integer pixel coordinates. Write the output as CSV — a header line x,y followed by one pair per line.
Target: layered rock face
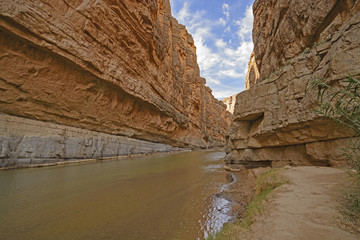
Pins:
x,y
28,142
253,74
294,42
230,103
124,68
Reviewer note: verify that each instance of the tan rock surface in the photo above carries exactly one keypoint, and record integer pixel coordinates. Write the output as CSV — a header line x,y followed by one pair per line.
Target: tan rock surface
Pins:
x,y
118,67
274,121
230,103
284,29
253,75
25,143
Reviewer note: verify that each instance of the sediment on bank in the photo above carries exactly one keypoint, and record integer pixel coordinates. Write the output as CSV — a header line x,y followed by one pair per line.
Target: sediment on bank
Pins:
x,y
294,203
296,191
249,195
31,143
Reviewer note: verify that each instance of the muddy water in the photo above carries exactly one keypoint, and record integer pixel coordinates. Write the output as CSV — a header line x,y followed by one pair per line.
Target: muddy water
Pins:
x,y
161,197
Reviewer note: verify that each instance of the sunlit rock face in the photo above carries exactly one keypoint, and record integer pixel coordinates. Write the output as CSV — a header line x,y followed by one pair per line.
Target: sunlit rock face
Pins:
x,y
253,74
294,42
125,68
230,103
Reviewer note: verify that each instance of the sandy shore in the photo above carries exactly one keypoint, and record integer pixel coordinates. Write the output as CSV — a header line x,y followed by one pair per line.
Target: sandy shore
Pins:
x,y
305,209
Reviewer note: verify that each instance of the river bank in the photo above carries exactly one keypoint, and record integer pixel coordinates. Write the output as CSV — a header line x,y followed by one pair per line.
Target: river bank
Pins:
x,y
242,189
308,207
27,142
61,162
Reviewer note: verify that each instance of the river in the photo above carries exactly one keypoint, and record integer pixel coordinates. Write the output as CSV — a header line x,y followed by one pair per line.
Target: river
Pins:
x,y
157,197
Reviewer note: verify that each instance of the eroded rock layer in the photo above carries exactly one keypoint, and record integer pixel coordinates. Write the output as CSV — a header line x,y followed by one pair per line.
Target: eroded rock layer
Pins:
x,y
27,142
294,42
230,103
116,67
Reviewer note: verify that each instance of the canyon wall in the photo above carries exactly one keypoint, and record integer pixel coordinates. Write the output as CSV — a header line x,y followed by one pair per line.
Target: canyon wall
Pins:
x,y
294,42
230,103
116,67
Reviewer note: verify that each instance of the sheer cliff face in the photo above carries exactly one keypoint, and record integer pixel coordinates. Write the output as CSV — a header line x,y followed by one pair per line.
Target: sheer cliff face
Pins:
x,y
230,103
117,67
294,42
284,29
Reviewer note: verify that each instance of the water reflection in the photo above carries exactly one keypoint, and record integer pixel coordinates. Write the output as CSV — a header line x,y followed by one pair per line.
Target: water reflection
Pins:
x,y
163,197
219,212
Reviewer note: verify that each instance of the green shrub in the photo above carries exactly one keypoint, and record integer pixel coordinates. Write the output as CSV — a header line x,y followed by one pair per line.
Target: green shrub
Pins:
x,y
341,103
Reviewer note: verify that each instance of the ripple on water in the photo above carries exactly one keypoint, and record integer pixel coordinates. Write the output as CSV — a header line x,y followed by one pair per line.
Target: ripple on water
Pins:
x,y
219,214
212,167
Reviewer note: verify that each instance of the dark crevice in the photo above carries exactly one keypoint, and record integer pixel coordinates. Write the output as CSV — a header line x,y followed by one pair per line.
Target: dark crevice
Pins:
x,y
339,7
18,87
281,18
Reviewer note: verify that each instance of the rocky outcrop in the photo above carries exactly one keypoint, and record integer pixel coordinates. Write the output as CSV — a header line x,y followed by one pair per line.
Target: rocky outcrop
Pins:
x,y
230,103
253,74
294,42
124,68
284,29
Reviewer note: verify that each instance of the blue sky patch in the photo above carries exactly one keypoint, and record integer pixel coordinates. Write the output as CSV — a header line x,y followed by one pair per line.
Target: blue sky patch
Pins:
x,y
222,35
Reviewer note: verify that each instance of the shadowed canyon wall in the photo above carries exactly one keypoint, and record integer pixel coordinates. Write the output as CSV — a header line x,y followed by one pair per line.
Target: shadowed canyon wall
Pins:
x,y
118,70
294,42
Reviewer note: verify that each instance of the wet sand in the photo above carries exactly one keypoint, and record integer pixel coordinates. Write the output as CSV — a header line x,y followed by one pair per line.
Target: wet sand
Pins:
x,y
242,190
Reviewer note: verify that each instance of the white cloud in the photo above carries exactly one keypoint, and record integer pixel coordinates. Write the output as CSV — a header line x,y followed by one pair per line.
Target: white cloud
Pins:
x,y
222,62
222,21
183,14
221,93
226,10
230,73
212,80
220,43
245,24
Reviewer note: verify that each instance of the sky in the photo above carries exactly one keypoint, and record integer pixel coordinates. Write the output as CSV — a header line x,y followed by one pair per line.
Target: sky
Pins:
x,y
222,35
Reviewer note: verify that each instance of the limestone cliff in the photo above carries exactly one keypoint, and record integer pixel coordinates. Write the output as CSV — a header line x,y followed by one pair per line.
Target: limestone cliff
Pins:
x,y
230,103
125,68
253,74
294,42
